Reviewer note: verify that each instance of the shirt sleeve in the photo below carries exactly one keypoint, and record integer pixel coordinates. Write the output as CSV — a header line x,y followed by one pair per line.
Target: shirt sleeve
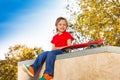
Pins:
x,y
53,41
69,36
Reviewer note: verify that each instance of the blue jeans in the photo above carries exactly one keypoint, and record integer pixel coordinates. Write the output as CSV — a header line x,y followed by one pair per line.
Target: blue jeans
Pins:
x,y
49,57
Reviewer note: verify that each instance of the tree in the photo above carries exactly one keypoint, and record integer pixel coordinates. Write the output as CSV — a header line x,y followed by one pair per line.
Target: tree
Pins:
x,y
96,19
22,52
8,69
15,54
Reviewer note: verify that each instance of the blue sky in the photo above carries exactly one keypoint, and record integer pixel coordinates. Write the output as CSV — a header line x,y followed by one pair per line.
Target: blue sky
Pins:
x,y
28,22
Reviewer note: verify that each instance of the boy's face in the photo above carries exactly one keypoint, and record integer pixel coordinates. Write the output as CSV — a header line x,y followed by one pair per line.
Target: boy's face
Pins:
x,y
61,26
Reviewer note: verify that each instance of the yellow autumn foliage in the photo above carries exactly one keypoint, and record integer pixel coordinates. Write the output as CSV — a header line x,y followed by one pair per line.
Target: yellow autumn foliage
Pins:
x,y
8,67
98,19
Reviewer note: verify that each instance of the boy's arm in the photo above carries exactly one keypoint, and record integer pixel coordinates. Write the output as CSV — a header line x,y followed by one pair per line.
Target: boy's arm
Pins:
x,y
69,43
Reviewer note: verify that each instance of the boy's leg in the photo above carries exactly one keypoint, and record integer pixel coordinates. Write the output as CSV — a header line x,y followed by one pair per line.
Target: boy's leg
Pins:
x,y
32,69
50,60
39,61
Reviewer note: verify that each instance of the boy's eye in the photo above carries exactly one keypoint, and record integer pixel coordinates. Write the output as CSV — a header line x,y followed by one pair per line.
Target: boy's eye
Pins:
x,y
62,24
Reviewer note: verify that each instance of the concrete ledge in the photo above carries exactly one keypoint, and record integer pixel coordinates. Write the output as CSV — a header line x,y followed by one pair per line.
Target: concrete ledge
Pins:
x,y
101,63
111,49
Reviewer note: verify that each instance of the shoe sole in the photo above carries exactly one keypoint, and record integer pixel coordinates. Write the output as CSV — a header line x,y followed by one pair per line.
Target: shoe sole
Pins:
x,y
28,71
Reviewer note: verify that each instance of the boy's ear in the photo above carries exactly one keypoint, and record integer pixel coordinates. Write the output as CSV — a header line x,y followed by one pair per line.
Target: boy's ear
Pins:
x,y
56,28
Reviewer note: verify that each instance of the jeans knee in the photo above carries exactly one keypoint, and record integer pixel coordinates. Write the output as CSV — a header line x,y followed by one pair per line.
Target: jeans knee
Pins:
x,y
43,54
50,54
56,52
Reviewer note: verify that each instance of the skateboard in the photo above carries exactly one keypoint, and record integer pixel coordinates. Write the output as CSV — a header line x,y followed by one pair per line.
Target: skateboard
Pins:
x,y
75,46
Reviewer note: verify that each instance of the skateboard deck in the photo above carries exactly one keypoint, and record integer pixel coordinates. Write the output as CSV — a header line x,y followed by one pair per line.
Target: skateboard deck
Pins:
x,y
75,46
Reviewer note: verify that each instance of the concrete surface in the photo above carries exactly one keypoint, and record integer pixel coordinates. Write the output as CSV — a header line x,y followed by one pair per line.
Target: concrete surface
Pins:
x,y
101,63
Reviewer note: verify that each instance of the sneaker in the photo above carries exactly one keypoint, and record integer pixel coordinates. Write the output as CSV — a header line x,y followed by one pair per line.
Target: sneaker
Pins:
x,y
46,77
29,70
42,78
